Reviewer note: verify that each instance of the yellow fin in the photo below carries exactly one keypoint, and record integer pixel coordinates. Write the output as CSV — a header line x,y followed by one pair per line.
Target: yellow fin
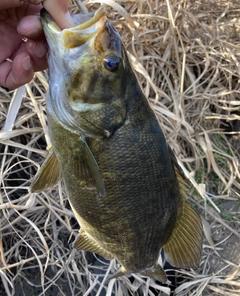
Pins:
x,y
48,175
156,273
84,242
183,249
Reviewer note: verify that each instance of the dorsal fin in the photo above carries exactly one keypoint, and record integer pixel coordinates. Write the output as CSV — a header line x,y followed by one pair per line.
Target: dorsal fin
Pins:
x,y
184,183
48,175
183,248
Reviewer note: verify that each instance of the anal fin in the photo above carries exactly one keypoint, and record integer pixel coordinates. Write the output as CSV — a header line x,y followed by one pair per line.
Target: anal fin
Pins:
x,y
183,248
156,273
48,175
85,243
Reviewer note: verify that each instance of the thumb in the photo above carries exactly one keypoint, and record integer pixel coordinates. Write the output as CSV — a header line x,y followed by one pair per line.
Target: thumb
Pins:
x,y
58,9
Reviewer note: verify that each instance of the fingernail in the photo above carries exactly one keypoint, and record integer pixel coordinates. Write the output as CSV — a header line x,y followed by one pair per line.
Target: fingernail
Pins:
x,y
40,49
26,63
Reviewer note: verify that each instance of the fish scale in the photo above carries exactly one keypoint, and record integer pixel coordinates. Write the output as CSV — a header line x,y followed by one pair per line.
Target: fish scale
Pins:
x,y
123,181
136,181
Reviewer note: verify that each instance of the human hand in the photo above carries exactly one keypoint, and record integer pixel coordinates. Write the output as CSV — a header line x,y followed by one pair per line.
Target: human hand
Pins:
x,y
20,59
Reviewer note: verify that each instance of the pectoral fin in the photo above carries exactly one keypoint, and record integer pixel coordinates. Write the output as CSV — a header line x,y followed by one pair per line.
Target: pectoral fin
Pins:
x,y
48,174
183,249
84,242
92,166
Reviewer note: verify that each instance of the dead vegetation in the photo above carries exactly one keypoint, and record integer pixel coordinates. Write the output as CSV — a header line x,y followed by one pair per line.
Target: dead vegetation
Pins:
x,y
187,56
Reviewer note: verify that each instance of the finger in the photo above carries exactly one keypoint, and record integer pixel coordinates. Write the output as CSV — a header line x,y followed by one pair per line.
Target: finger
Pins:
x,y
37,52
5,4
28,9
33,1
30,27
58,9
16,73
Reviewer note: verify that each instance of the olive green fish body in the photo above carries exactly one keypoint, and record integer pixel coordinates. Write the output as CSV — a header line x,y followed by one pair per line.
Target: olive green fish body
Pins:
x,y
123,181
137,215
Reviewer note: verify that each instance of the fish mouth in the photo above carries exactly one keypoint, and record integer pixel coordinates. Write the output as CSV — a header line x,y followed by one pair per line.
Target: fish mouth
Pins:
x,y
89,26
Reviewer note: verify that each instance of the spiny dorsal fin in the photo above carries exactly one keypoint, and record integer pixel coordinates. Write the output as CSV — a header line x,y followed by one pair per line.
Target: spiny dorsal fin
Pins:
x,y
183,249
184,183
48,175
93,168
84,242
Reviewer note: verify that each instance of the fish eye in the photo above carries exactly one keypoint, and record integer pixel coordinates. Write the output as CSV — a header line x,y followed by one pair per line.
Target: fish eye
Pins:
x,y
111,63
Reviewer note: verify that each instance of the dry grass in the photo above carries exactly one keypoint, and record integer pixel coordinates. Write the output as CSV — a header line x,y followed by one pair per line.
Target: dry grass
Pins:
x,y
187,55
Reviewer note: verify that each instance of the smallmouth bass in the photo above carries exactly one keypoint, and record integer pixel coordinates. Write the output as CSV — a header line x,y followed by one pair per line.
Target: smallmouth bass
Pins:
x,y
123,182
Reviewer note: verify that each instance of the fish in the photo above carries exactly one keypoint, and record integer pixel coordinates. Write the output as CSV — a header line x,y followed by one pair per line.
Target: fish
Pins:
x,y
123,181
